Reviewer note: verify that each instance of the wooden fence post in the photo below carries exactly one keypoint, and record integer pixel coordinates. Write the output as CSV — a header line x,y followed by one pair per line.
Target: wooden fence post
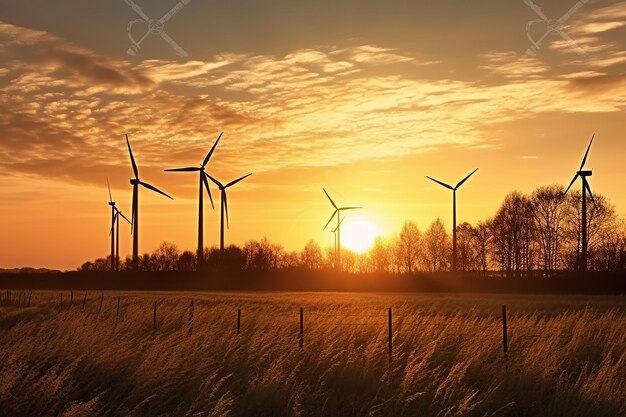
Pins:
x,y
191,318
390,337
30,295
238,321
101,300
61,305
84,300
505,336
301,328
71,298
154,316
117,314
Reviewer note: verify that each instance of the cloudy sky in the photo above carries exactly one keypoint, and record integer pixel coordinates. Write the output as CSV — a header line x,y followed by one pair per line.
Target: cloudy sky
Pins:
x,y
362,97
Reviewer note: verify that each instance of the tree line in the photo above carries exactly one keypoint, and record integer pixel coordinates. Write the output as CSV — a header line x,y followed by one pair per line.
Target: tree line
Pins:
x,y
538,233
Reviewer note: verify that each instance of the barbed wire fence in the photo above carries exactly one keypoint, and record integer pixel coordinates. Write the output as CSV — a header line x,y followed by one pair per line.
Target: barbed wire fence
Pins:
x,y
300,323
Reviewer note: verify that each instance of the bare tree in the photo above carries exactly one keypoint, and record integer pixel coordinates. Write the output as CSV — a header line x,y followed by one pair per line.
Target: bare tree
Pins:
x,y
513,235
186,261
311,256
409,243
381,256
601,220
262,254
549,212
437,244
481,241
165,257
466,251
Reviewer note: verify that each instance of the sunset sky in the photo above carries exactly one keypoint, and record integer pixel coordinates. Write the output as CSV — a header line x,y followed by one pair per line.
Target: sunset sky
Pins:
x,y
362,97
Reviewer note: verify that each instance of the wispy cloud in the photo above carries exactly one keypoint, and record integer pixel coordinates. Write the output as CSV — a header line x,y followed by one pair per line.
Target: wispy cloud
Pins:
x,y
64,106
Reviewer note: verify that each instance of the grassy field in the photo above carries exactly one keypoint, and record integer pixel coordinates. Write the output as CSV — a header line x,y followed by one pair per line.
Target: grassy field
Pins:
x,y
567,355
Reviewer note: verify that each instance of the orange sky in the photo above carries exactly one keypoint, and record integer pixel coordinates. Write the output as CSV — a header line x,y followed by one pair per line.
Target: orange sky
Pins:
x,y
365,111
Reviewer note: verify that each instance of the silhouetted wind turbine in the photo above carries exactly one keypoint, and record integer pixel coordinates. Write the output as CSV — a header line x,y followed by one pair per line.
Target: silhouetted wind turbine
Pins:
x,y
203,183
337,212
224,204
115,231
583,174
135,216
334,231
453,212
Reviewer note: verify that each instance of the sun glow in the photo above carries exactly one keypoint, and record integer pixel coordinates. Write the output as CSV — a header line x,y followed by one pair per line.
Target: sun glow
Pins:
x,y
358,235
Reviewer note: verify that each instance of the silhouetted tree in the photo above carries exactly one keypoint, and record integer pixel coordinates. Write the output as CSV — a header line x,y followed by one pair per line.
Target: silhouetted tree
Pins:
x,y
97,265
186,261
513,232
311,256
548,212
380,255
145,263
466,250
437,245
481,242
262,255
290,260
601,219
232,258
409,246
165,257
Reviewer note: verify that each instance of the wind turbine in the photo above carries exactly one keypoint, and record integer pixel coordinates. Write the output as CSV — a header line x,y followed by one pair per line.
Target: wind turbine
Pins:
x,y
115,234
334,232
337,212
135,216
224,204
203,183
583,174
453,212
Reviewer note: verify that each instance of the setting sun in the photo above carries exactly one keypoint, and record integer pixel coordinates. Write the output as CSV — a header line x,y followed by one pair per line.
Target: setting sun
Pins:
x,y
358,235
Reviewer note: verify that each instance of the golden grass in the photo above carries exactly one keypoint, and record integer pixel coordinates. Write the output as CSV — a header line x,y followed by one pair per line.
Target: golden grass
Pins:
x,y
566,358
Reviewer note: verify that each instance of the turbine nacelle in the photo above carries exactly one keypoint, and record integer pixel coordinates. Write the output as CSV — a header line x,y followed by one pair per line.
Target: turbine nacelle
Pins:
x,y
586,173
135,181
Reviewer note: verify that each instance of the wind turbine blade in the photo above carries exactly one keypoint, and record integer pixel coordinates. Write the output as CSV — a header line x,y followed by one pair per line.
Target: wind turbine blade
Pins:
x,y
441,183
208,189
349,208
571,183
587,153
153,188
219,184
237,180
188,169
206,160
331,219
124,217
132,158
331,200
466,178
109,187
586,185
226,208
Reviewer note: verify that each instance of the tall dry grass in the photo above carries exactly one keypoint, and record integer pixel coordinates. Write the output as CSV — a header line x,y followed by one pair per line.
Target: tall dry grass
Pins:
x,y
566,357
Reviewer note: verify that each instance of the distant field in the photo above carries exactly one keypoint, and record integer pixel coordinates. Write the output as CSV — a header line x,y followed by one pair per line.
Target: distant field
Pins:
x,y
566,357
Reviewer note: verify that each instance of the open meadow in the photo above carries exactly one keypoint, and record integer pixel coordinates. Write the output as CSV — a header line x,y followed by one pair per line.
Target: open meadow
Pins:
x,y
566,355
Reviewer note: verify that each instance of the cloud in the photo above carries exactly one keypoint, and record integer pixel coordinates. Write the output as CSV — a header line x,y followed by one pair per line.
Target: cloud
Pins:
x,y
65,109
45,57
